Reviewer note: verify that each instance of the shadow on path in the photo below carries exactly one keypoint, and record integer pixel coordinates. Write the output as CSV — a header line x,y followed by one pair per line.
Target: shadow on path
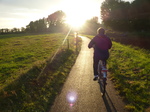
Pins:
x,y
107,101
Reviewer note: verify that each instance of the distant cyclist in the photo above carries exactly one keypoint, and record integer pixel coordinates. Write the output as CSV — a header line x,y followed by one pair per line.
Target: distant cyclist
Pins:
x,y
101,44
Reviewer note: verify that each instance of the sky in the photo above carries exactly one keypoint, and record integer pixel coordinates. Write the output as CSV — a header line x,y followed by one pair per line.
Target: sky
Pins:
x,y
19,13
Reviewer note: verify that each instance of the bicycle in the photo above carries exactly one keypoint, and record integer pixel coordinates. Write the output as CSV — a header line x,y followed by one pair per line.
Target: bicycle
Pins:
x,y
102,76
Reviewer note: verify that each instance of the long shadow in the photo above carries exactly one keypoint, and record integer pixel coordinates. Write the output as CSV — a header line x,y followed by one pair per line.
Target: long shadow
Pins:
x,y
107,100
26,88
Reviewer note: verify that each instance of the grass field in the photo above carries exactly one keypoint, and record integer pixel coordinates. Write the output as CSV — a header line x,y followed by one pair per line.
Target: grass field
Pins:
x,y
19,54
130,71
22,59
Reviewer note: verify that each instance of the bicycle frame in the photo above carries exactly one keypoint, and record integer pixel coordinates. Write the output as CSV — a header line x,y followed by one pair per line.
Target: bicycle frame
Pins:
x,y
102,74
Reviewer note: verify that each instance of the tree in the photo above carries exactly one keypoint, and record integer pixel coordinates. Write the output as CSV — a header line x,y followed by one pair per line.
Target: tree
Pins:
x,y
56,20
31,27
125,16
37,26
91,26
114,14
23,29
140,14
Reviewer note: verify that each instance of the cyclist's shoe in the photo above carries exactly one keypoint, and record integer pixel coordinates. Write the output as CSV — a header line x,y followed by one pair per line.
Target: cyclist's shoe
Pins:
x,y
95,78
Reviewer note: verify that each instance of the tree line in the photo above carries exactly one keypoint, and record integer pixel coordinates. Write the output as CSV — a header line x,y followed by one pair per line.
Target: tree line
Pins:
x,y
125,16
54,22
116,14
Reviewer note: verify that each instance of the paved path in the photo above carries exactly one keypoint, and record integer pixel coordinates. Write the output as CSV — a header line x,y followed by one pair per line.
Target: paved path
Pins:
x,y
81,94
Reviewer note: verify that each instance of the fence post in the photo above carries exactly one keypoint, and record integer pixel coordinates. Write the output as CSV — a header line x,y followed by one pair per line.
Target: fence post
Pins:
x,y
76,41
68,43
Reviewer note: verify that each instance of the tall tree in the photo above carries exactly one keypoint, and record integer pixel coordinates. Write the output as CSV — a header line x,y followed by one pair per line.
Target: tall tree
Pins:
x,y
140,14
114,13
56,19
122,15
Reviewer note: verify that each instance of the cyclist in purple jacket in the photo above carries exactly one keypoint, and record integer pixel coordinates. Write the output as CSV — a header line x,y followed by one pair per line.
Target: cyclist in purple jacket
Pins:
x,y
101,44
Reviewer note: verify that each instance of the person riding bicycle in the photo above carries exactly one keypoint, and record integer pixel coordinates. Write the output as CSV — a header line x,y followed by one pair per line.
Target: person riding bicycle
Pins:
x,y
101,44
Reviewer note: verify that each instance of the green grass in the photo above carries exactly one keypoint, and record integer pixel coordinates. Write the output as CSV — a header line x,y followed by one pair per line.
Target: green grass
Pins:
x,y
22,59
18,54
130,71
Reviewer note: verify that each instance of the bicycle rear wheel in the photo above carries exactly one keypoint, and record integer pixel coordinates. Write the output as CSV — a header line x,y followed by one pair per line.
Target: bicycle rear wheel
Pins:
x,y
102,76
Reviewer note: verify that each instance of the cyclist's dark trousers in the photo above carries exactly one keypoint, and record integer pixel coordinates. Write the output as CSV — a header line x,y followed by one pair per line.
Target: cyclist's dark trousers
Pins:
x,y
95,65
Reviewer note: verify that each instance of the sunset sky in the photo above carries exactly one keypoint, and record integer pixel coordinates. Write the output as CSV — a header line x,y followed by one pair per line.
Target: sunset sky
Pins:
x,y
19,13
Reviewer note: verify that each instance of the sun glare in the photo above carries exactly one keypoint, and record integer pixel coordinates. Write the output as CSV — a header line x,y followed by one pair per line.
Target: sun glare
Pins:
x,y
77,11
75,22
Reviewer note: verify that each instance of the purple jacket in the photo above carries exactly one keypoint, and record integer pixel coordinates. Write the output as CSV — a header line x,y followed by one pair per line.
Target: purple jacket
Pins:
x,y
101,44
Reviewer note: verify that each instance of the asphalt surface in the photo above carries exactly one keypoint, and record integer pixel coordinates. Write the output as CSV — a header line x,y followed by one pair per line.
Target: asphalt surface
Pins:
x,y
81,94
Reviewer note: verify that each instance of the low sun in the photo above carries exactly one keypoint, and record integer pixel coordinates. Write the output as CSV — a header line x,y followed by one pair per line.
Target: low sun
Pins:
x,y
75,21
77,12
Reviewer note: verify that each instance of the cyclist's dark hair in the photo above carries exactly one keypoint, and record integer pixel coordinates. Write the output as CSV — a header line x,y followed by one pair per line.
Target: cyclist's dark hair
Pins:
x,y
100,31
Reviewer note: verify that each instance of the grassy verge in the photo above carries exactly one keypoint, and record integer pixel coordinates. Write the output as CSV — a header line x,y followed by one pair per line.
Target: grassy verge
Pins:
x,y
21,91
129,67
